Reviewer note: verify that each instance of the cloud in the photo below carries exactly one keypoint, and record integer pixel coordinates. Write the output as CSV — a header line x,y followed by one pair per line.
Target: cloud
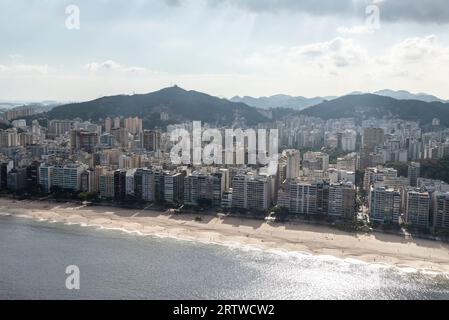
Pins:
x,y
14,56
338,52
428,11
419,50
344,65
173,3
23,69
314,7
356,30
112,66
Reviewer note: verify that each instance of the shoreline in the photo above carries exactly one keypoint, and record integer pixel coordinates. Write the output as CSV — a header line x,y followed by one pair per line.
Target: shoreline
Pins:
x,y
376,248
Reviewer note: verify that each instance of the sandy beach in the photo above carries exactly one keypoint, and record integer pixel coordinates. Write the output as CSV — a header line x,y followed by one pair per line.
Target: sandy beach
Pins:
x,y
318,240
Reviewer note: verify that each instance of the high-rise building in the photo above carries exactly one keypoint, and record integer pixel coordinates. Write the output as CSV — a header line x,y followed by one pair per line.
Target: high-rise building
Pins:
x,y
315,161
62,177
106,184
130,183
440,210
174,187
59,127
342,201
293,160
117,123
133,125
32,176
226,200
16,179
45,177
219,185
414,149
304,197
9,138
148,185
417,208
18,112
67,177
252,192
414,169
131,161
83,140
373,175
121,137
25,138
108,125
197,188
5,168
119,185
347,163
373,137
85,181
348,140
384,205
206,188
151,140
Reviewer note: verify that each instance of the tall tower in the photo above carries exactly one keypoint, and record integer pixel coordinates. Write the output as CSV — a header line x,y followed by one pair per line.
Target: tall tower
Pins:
x,y
293,163
414,171
117,123
108,125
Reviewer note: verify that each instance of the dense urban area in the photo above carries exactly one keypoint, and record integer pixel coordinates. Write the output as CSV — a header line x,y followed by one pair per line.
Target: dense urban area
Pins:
x,y
383,174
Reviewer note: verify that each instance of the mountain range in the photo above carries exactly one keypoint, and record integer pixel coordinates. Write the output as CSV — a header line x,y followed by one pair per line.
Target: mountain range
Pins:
x,y
281,101
405,95
182,105
366,106
300,103
179,104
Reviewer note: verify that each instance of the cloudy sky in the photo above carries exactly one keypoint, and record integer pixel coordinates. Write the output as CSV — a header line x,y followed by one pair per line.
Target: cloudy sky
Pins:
x,y
222,47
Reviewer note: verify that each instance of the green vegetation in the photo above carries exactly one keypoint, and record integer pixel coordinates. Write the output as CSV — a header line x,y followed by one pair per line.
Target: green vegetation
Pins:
x,y
334,154
401,167
179,103
370,105
430,169
436,169
88,196
4,126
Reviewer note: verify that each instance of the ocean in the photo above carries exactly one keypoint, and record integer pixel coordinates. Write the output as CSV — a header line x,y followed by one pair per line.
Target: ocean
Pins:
x,y
117,265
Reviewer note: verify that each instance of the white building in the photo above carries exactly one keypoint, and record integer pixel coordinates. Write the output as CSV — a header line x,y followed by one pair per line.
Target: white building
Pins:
x,y
9,138
63,177
293,163
373,175
252,192
130,181
348,140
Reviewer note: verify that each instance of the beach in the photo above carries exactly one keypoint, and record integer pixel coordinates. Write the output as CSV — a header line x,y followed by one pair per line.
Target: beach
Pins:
x,y
378,248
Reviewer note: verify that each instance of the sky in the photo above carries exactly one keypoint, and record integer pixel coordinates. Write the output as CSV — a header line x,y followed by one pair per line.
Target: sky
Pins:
x,y
79,50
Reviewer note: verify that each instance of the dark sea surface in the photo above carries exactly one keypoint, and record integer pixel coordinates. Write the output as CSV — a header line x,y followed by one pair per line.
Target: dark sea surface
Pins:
x,y
116,265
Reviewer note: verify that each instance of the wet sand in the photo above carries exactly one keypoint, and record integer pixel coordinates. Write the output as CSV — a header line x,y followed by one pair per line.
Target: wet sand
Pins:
x,y
318,240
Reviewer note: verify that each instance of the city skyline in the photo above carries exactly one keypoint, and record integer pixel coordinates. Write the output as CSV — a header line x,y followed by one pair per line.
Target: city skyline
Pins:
x,y
224,149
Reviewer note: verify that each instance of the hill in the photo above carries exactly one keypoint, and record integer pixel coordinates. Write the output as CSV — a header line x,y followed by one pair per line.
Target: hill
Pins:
x,y
405,95
179,104
281,101
374,106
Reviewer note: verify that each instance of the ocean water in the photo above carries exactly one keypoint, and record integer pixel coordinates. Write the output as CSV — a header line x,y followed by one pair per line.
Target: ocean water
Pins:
x,y
116,265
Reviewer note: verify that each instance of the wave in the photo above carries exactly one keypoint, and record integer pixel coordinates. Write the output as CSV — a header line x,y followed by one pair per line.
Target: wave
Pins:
x,y
235,245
